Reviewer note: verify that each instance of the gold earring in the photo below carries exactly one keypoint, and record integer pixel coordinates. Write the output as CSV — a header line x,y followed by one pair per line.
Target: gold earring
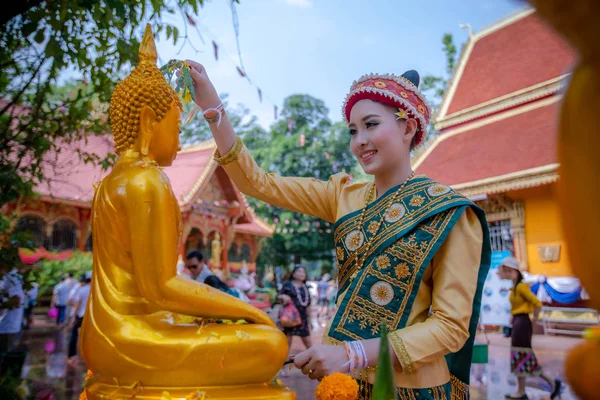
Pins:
x,y
405,140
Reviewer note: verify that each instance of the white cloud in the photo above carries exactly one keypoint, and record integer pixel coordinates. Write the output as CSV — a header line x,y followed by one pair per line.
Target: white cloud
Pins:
x,y
299,3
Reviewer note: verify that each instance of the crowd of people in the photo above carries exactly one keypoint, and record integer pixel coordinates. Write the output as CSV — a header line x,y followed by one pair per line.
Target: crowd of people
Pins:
x,y
67,308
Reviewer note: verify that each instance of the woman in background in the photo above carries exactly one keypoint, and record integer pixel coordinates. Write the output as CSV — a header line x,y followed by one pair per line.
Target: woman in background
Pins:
x,y
295,290
523,362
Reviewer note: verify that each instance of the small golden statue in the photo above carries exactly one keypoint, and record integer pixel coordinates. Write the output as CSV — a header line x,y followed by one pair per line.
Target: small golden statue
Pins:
x,y
216,251
147,332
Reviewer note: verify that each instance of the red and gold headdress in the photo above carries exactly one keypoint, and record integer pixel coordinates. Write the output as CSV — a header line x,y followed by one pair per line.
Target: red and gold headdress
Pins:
x,y
400,92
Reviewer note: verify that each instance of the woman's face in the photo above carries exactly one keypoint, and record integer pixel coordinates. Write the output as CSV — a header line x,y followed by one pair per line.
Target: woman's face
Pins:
x,y
379,141
300,274
506,273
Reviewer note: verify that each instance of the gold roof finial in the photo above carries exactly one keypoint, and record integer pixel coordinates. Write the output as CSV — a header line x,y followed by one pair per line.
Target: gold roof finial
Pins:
x,y
148,47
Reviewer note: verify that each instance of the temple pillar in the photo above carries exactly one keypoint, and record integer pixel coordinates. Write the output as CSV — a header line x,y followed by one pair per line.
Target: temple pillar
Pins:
x,y
517,222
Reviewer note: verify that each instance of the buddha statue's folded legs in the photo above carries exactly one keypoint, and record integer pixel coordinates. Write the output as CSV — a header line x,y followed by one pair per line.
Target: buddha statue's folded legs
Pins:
x,y
159,353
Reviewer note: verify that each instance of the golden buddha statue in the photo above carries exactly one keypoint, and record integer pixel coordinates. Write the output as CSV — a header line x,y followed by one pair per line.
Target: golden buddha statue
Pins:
x,y
141,333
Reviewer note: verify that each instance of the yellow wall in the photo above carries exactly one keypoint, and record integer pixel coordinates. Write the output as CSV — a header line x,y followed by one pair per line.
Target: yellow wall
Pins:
x,y
543,227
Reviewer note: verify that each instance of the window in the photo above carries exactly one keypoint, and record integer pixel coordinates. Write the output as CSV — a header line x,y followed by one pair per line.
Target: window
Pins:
x,y
64,236
245,253
233,253
34,227
194,241
501,236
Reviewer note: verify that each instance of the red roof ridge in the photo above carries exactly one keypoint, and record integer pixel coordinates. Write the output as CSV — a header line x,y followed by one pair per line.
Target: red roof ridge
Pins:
x,y
523,179
196,188
504,21
420,157
469,90
510,100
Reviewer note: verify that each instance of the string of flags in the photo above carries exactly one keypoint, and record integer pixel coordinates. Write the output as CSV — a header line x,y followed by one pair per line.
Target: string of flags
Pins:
x,y
217,52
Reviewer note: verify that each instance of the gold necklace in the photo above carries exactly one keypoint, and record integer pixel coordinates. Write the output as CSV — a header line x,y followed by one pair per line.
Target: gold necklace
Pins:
x,y
358,235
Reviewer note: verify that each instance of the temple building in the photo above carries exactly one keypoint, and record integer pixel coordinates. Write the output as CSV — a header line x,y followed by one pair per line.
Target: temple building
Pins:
x,y
497,141
217,219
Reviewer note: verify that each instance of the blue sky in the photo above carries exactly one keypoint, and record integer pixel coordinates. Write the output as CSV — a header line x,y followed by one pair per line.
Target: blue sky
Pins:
x,y
320,47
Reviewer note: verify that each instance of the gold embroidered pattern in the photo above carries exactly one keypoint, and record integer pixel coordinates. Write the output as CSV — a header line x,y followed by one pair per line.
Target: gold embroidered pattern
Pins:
x,y
404,95
398,346
372,229
380,85
460,390
421,109
437,190
395,213
340,253
382,262
362,310
417,200
232,155
402,270
382,293
355,240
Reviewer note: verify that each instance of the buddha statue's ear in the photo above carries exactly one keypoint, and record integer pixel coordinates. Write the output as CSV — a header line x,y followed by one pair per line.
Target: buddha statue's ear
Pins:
x,y
147,120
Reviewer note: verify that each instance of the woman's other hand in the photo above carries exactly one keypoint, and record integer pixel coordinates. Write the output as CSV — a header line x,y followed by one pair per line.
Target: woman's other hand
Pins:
x,y
320,361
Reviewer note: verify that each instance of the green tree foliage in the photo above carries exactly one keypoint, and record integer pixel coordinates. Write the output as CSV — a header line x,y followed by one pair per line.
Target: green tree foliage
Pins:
x,y
48,273
43,41
435,86
243,122
41,44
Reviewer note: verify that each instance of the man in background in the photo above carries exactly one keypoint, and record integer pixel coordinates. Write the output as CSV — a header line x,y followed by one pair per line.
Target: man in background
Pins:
x,y
195,264
13,300
79,301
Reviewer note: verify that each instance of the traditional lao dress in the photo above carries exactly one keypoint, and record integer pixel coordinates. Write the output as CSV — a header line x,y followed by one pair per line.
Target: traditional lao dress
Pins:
x,y
422,274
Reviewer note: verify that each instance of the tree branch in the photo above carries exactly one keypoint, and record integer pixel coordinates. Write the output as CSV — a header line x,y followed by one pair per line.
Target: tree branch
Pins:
x,y
15,99
13,8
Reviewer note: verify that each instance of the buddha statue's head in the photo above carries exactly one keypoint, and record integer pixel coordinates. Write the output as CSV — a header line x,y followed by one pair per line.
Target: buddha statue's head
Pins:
x,y
145,111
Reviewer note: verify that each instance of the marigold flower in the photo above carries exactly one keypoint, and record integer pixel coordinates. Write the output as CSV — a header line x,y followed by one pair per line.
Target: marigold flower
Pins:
x,y
89,375
337,386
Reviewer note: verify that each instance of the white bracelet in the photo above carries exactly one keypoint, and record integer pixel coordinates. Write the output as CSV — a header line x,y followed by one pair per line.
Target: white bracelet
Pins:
x,y
220,111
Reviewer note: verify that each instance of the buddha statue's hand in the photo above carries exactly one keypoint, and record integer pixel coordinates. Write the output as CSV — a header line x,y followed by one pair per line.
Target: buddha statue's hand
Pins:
x,y
258,316
206,94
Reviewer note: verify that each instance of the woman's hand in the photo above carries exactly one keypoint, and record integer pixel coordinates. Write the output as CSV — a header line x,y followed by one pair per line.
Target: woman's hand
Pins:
x,y
285,299
320,361
206,94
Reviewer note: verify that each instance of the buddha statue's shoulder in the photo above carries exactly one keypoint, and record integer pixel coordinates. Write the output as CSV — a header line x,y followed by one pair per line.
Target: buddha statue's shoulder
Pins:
x,y
144,179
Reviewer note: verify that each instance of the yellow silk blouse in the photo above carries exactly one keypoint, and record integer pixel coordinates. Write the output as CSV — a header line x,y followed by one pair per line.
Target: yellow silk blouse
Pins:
x,y
438,323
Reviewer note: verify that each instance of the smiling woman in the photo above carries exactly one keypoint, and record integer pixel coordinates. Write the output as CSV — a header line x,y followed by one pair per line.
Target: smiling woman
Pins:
x,y
405,244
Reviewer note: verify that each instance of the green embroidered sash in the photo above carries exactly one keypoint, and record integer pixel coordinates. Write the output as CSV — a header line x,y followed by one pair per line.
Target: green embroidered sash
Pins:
x,y
384,289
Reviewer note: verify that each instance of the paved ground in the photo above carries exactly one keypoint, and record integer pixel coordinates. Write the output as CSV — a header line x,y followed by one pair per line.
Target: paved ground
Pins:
x,y
47,362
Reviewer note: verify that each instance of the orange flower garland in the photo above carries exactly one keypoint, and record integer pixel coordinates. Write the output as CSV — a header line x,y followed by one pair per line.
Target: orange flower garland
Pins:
x,y
337,386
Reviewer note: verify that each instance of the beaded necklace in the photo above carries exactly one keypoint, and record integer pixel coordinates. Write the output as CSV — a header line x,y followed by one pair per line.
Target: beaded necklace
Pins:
x,y
357,233
304,302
